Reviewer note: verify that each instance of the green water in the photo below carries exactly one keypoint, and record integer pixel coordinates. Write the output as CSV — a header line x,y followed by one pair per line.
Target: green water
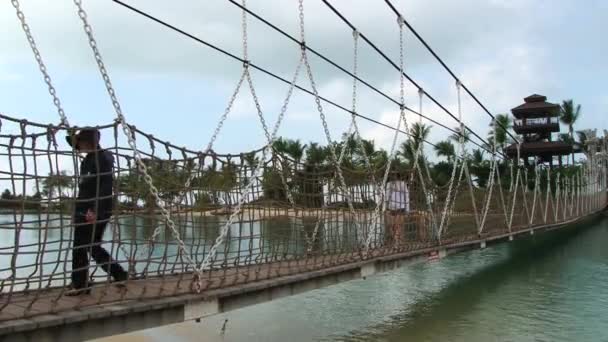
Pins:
x,y
549,287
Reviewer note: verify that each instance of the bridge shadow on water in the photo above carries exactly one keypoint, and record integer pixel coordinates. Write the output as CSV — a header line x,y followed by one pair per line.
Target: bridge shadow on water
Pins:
x,y
438,313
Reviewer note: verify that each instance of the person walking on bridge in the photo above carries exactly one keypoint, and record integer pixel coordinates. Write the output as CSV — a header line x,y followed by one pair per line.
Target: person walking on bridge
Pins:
x,y
92,211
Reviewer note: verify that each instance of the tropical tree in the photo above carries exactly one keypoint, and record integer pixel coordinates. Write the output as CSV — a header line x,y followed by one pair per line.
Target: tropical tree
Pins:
x,y
57,184
6,195
569,114
251,160
582,140
295,149
441,171
280,145
499,128
406,151
456,135
419,133
566,138
480,167
446,149
316,154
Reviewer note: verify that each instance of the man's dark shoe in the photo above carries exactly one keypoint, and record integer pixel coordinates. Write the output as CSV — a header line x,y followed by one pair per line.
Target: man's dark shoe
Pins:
x,y
73,291
120,279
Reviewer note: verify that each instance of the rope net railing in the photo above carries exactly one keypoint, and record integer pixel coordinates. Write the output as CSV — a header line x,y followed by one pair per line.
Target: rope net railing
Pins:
x,y
271,237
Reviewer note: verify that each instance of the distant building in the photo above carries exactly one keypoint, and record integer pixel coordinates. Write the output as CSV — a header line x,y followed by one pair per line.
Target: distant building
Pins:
x,y
535,121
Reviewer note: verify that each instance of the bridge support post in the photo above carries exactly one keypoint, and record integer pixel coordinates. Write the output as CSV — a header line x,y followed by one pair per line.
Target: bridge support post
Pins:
x,y
368,269
204,308
442,253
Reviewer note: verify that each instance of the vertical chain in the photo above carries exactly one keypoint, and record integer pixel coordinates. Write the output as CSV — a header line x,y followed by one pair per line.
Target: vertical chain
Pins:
x,y
536,186
417,156
128,132
41,65
548,192
493,170
455,167
210,257
47,79
247,73
313,85
255,174
353,130
244,30
383,193
382,202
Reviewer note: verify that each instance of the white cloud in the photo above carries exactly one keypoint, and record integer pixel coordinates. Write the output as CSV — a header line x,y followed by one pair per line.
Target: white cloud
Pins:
x,y
499,48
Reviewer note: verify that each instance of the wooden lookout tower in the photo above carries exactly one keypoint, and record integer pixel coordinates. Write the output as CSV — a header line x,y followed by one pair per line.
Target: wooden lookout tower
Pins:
x,y
536,120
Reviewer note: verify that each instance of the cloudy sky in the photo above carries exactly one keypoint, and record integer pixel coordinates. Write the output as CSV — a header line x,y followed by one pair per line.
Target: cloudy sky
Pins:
x,y
177,89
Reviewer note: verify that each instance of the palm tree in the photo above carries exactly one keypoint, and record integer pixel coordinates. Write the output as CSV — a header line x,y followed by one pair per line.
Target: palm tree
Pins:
x,y
582,140
500,126
280,145
6,195
569,114
251,160
295,149
407,151
566,138
480,168
419,133
445,149
315,154
456,135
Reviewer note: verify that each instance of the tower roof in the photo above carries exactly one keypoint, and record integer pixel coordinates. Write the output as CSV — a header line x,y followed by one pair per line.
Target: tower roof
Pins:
x,y
535,106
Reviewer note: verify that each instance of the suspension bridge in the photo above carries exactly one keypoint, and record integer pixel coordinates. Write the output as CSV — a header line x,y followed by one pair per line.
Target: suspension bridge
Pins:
x,y
201,232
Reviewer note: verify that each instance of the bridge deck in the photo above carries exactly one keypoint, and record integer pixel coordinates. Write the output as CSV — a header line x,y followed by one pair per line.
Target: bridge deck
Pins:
x,y
146,303
26,304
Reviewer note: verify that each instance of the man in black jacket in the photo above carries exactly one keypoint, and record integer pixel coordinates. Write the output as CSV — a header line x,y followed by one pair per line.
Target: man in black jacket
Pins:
x,y
92,211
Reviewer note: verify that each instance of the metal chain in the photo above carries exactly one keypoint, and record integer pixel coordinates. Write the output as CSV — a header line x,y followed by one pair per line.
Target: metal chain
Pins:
x,y
331,146
220,124
514,193
255,173
129,133
41,65
420,153
547,195
453,176
354,130
220,239
51,89
557,195
535,194
258,107
391,156
493,170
